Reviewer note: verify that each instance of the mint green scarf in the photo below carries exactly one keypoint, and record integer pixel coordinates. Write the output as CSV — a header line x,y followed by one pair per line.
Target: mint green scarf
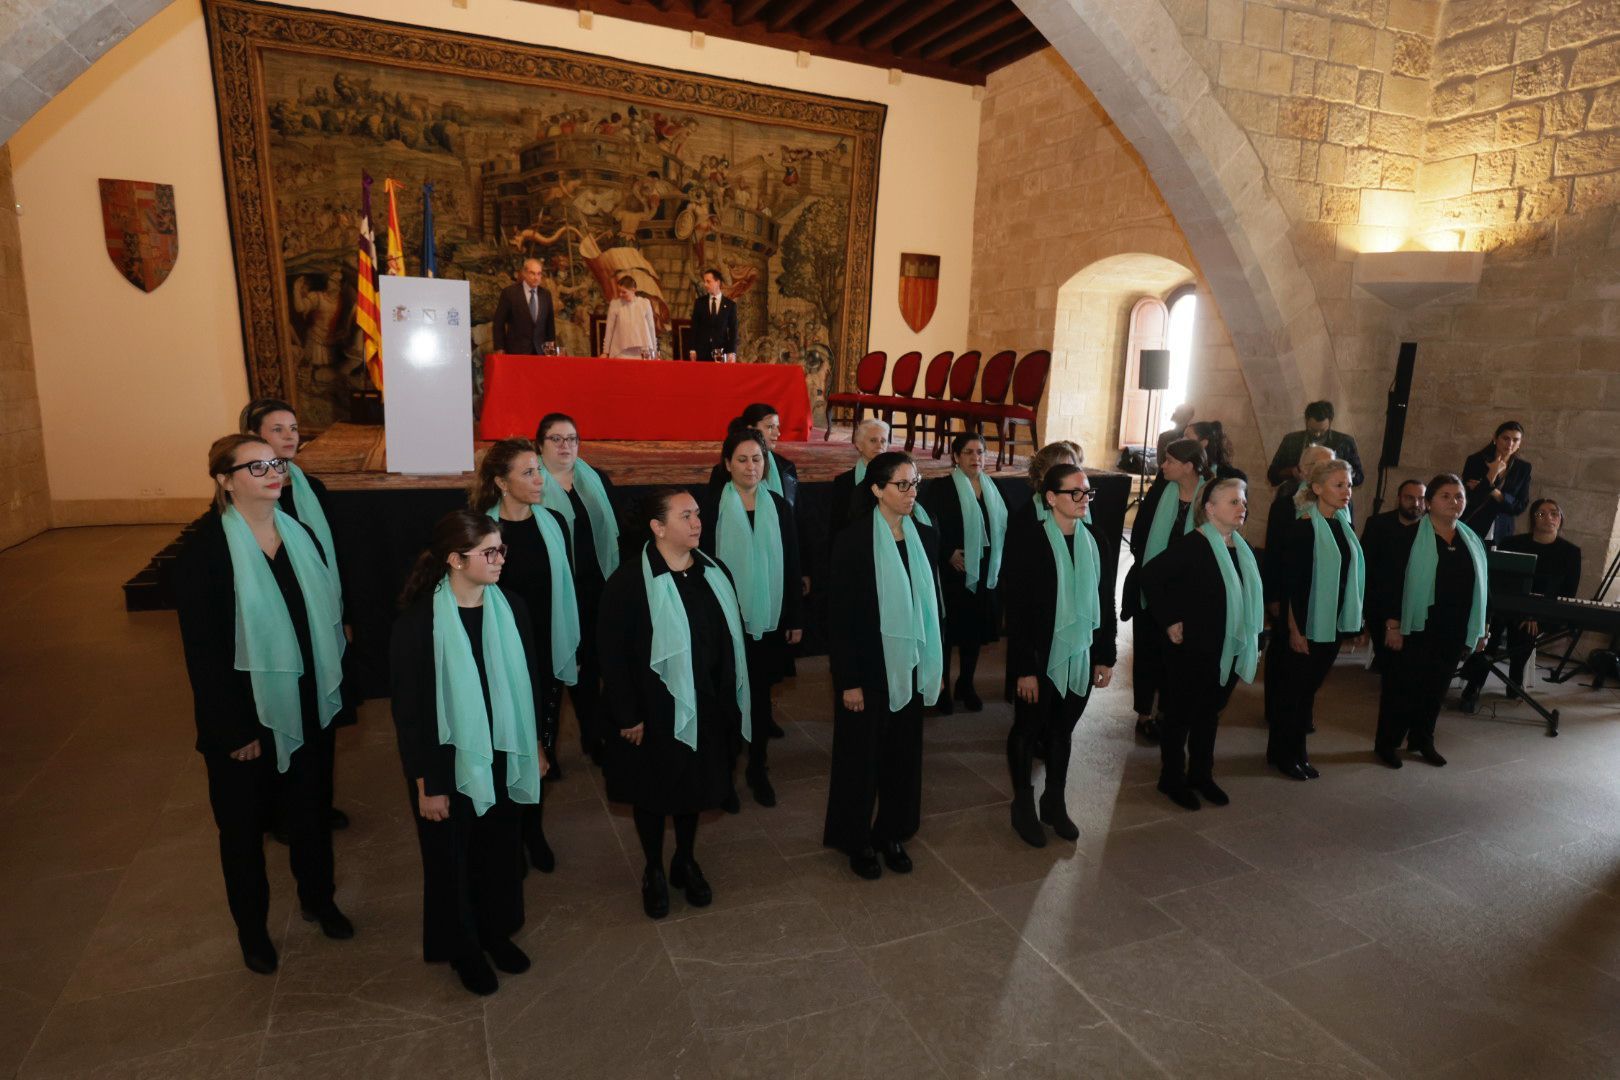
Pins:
x,y
917,510
773,475
508,724
1417,597
1245,607
1164,513
671,653
753,554
564,613
1078,612
973,528
604,527
311,514
1320,623
908,612
267,644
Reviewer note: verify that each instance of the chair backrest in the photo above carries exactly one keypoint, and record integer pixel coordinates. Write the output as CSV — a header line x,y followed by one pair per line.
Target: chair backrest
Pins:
x,y
964,374
1029,381
998,377
939,372
869,372
904,381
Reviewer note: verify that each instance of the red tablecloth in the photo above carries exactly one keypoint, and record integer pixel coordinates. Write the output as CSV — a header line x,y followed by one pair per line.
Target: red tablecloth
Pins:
x,y
637,399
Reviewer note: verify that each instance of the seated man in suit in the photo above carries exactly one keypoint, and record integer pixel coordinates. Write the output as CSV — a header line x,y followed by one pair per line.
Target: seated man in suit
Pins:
x,y
524,322
1318,432
714,321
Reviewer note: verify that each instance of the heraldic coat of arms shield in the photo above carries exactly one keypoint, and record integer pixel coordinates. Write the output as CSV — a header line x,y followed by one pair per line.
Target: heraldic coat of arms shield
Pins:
x,y
919,289
143,237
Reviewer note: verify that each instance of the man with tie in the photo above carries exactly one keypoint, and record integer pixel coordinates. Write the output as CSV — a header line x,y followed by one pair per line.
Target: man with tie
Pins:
x,y
714,321
524,322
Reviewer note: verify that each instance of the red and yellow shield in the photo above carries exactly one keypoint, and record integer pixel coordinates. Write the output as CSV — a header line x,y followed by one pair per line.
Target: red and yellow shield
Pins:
x,y
143,237
919,289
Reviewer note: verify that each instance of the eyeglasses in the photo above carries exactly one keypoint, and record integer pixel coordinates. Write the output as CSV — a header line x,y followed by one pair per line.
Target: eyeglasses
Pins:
x,y
563,440
490,554
903,485
260,468
1077,494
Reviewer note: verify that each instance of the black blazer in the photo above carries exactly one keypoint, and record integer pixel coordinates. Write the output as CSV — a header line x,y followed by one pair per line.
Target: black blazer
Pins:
x,y
854,629
1293,444
413,683
843,506
1132,604
1280,519
1386,541
1486,516
785,469
711,332
205,599
1029,591
792,589
513,330
1297,559
1184,585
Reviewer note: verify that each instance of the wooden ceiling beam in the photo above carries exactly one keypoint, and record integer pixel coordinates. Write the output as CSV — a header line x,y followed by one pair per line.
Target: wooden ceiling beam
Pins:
x,y
782,17
745,11
887,29
973,52
703,8
969,32
846,28
943,22
1029,43
828,13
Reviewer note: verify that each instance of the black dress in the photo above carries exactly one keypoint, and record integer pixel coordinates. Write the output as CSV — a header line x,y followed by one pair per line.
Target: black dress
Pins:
x,y
664,775
472,864
844,504
247,795
586,694
971,618
1148,652
877,753
1293,679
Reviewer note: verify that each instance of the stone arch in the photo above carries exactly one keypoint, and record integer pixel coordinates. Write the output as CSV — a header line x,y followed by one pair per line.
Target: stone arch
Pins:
x,y
1131,57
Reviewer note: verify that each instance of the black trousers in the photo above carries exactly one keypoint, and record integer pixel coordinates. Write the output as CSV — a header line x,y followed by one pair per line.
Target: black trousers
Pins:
x,y
246,796
586,696
1147,662
876,763
472,876
1292,681
762,675
1048,724
1520,645
1192,699
1414,688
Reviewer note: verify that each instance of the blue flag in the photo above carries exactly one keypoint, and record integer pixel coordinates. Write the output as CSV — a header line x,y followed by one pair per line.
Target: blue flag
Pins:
x,y
427,229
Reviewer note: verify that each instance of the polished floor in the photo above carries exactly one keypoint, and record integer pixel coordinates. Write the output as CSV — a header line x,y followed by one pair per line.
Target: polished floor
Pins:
x,y
1460,922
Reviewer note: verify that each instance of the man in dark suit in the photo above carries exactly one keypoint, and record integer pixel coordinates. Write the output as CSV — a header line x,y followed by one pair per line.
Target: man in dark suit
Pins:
x,y
1318,432
714,321
523,317
1384,541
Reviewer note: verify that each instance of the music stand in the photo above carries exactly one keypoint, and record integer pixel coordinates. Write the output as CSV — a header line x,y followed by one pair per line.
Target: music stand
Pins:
x,y
1152,375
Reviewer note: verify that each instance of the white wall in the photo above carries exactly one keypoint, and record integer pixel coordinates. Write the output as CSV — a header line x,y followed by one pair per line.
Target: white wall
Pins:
x,y
154,378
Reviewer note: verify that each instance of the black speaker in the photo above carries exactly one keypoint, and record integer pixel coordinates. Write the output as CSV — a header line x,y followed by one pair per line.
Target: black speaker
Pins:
x,y
1395,414
1153,370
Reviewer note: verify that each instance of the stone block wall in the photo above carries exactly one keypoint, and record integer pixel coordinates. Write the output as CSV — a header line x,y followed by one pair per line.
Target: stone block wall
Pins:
x,y
25,498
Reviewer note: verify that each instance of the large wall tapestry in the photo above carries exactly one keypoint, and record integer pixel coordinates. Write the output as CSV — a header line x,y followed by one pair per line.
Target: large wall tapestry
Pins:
x,y
596,167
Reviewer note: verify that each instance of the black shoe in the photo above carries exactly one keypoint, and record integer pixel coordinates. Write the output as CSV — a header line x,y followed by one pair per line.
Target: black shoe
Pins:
x,y
772,729
895,858
476,975
865,864
258,953
334,924
944,704
1025,822
1182,796
685,874
1388,757
1432,756
508,957
1293,770
969,697
731,805
760,784
1212,792
1309,770
1055,814
1470,700
541,857
1147,729
336,819
654,893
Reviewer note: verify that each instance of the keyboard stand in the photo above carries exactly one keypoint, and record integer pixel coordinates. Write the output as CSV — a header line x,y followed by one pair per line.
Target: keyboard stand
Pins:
x,y
1495,660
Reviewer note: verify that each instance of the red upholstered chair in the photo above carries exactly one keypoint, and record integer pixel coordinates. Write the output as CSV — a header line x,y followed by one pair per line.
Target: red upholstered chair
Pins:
x,y
964,377
1028,387
868,384
902,388
993,387
934,383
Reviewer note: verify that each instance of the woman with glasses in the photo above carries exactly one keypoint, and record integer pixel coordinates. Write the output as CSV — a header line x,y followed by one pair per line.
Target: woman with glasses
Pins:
x,y
507,489
676,674
1166,513
1205,590
303,498
751,532
887,659
464,665
584,497
261,622
1059,585
967,509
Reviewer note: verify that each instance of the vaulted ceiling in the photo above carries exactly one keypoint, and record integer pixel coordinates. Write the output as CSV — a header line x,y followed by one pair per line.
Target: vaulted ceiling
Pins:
x,y
959,40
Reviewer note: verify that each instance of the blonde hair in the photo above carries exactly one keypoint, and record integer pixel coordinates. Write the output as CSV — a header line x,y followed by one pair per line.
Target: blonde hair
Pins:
x,y
1052,454
221,456
1319,474
1200,515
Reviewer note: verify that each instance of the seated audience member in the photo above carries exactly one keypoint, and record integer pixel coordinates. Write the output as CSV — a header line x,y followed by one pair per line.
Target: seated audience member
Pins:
x,y
1285,464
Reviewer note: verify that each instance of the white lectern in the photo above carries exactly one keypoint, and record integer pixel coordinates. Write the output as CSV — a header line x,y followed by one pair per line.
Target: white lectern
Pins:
x,y
427,374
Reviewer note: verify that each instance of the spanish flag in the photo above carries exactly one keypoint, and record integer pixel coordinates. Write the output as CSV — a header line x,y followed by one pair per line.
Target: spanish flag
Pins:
x,y
367,310
396,243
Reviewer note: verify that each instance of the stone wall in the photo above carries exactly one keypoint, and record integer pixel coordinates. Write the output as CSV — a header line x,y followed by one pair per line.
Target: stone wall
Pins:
x,y
25,498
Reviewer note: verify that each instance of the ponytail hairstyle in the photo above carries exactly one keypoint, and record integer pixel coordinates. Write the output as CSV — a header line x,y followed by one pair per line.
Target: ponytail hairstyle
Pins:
x,y
1201,513
879,471
1050,455
737,437
483,492
457,531
221,456
255,411
653,506
1319,474
752,415
1189,452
